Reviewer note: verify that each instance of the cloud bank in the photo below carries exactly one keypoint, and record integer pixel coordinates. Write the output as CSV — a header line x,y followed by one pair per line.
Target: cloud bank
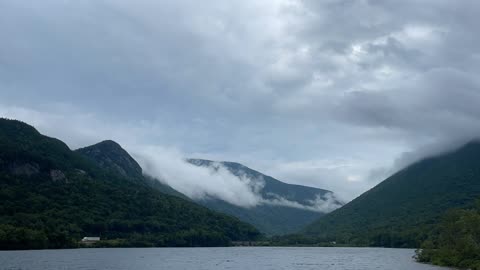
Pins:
x,y
322,203
322,93
170,167
217,182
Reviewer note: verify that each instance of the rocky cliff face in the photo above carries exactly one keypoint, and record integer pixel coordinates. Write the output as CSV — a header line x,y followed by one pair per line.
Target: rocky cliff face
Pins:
x,y
110,155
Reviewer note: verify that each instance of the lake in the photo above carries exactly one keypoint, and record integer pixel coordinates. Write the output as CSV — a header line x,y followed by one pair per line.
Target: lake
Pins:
x,y
235,258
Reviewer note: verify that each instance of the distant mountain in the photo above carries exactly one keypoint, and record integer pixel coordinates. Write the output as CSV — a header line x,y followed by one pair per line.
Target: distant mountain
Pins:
x,y
285,208
402,210
51,197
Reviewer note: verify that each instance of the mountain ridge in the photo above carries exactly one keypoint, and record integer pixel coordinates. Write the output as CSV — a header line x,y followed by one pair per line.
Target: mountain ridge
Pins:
x,y
285,208
401,210
111,156
52,197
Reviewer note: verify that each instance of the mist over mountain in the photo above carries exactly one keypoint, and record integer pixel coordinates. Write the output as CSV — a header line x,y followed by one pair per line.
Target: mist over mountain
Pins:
x,y
403,210
281,208
272,206
52,197
321,93
349,122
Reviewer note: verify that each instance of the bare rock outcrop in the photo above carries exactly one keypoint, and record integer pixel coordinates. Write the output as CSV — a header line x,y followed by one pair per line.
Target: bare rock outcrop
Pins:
x,y
57,175
27,169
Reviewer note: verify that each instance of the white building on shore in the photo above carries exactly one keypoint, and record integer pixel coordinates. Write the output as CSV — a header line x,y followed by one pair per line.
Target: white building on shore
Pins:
x,y
90,239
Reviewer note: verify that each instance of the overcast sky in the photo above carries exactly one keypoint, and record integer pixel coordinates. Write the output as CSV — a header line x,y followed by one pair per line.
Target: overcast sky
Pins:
x,y
328,93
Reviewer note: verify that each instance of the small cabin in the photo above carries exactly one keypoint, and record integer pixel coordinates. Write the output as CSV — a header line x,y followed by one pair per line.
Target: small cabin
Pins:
x,y
90,239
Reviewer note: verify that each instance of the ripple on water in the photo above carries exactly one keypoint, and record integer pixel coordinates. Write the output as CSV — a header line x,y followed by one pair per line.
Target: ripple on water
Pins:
x,y
235,258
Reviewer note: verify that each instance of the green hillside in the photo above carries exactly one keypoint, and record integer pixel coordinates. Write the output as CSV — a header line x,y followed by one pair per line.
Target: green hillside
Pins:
x,y
51,197
403,209
455,240
271,219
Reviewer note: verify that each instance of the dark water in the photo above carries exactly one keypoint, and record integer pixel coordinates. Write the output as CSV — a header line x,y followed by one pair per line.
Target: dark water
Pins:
x,y
241,258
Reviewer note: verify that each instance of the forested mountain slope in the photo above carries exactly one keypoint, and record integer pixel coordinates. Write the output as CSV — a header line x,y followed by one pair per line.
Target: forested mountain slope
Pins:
x,y
402,210
51,197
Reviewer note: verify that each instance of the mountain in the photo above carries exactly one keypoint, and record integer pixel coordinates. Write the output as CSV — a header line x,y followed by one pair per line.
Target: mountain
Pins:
x,y
51,197
110,156
403,209
284,208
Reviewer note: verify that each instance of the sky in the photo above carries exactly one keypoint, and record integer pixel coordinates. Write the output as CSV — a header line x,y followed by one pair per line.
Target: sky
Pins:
x,y
332,94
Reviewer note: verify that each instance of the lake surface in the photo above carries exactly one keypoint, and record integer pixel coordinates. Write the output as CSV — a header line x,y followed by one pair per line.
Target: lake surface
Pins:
x,y
235,258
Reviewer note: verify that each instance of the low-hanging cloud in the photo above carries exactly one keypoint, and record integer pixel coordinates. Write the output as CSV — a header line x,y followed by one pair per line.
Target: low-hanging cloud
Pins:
x,y
217,182
170,167
325,203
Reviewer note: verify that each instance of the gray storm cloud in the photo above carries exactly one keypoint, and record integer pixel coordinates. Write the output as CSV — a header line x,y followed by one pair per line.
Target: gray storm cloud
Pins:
x,y
286,86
